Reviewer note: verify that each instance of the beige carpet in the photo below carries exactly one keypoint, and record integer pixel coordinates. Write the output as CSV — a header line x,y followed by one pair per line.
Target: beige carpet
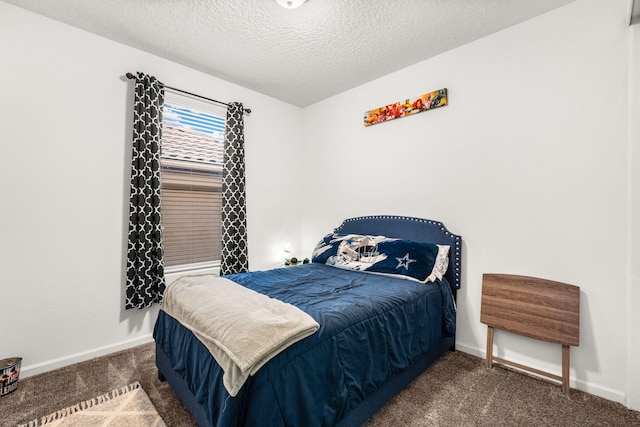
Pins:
x,y
127,406
458,390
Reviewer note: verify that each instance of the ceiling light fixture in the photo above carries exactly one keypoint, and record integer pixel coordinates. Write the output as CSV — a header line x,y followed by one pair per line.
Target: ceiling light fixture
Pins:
x,y
290,4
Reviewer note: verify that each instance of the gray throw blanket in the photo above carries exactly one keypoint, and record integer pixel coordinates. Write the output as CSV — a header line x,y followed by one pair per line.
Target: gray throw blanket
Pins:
x,y
242,329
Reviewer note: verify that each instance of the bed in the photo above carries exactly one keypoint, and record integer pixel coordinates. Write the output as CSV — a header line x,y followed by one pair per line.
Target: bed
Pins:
x,y
377,332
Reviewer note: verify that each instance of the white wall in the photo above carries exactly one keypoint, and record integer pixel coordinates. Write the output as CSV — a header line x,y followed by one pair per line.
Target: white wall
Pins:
x,y
633,301
65,141
528,163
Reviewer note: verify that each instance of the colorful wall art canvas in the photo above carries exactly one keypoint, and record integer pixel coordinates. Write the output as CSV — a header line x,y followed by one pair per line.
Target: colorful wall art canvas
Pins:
x,y
425,102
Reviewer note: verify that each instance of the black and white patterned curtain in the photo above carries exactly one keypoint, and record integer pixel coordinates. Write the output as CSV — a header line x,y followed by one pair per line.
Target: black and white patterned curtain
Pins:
x,y
234,255
145,266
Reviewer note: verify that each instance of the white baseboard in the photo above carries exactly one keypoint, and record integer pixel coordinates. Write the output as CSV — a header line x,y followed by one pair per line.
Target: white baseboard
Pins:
x,y
39,368
470,350
30,370
596,390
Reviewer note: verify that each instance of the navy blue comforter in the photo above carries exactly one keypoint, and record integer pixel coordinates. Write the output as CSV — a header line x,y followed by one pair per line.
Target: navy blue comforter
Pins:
x,y
371,327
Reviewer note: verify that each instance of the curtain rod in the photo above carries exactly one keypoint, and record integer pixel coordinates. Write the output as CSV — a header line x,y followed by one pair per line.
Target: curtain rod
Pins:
x,y
246,110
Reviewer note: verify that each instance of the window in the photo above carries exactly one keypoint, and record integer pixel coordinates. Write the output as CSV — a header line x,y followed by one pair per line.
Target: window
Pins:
x,y
192,160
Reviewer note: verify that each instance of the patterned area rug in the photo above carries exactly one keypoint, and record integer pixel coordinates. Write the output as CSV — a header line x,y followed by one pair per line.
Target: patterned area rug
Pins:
x,y
127,406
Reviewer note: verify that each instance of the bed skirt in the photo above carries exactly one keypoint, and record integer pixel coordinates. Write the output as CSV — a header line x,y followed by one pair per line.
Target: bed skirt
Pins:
x,y
356,417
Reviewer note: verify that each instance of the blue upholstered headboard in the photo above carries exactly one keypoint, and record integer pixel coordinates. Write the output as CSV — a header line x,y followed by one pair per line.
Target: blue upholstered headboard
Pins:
x,y
418,229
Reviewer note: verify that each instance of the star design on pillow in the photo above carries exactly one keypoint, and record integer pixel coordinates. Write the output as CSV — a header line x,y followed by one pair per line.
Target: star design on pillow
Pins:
x,y
404,261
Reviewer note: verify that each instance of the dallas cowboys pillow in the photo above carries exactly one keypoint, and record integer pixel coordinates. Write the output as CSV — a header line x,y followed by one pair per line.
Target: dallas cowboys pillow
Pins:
x,y
424,262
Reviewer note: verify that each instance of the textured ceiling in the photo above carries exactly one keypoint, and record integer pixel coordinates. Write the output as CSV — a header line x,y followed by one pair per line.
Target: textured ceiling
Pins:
x,y
300,56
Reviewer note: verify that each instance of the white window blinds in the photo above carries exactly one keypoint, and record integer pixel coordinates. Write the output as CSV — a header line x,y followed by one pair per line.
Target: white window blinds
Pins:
x,y
192,156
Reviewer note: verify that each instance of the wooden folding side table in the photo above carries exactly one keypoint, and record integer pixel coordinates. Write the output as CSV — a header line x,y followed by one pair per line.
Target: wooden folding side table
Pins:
x,y
536,308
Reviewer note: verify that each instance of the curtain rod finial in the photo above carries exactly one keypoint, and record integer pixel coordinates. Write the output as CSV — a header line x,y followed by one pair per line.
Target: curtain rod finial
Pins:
x,y
130,76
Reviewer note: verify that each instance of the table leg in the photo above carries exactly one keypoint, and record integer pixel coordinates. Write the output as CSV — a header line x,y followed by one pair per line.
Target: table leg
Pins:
x,y
566,357
489,346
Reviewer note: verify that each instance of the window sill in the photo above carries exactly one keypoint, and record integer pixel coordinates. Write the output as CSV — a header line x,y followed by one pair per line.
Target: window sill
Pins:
x,y
175,272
